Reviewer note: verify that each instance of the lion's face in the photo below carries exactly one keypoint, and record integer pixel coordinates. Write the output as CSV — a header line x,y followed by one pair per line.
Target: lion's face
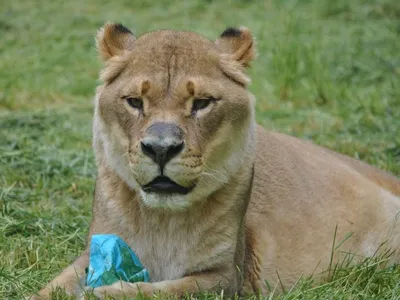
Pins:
x,y
174,117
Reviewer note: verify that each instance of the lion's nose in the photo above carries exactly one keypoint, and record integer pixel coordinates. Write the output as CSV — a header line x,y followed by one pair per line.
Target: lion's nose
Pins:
x,y
160,152
162,142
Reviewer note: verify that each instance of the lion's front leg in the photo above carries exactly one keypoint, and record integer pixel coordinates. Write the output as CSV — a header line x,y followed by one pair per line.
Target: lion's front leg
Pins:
x,y
209,282
69,279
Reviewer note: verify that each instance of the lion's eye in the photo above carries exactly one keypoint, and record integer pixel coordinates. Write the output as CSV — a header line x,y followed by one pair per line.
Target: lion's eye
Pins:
x,y
199,104
135,102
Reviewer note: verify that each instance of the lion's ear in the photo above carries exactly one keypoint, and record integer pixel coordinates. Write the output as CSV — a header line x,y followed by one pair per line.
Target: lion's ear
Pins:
x,y
239,44
113,39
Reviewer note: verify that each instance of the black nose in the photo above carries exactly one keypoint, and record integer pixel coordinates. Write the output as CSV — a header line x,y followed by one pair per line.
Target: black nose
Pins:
x,y
161,153
163,141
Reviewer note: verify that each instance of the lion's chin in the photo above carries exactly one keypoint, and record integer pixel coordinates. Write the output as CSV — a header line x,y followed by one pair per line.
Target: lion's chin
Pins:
x,y
172,201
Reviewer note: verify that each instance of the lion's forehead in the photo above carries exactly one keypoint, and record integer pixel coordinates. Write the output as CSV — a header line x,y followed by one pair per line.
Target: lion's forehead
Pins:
x,y
173,50
169,64
172,38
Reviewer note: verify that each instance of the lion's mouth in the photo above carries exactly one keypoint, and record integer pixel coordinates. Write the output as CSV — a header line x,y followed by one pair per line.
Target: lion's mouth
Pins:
x,y
165,185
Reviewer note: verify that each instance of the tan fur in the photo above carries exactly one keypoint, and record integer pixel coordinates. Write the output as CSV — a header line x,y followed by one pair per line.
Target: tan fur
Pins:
x,y
264,204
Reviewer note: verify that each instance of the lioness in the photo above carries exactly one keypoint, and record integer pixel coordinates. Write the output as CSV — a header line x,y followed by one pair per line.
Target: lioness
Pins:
x,y
207,199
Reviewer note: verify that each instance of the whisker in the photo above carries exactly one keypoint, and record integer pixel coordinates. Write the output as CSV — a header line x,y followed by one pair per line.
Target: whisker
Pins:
x,y
126,153
214,170
214,174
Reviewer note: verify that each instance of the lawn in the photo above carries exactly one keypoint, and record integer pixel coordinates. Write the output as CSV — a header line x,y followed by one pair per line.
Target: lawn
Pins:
x,y
328,71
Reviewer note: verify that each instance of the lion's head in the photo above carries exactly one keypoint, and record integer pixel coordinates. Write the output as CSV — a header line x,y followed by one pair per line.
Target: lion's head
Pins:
x,y
174,117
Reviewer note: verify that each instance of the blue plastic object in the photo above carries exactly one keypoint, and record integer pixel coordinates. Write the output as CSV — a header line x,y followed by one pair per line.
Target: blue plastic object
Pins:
x,y
112,260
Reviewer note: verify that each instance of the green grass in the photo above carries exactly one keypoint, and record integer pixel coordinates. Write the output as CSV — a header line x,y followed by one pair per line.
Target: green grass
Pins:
x,y
328,71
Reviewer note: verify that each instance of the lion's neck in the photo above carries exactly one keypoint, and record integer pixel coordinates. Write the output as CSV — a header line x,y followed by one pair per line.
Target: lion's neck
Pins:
x,y
170,243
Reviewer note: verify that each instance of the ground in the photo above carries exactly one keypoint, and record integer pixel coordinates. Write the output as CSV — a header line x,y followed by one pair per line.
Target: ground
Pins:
x,y
328,71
